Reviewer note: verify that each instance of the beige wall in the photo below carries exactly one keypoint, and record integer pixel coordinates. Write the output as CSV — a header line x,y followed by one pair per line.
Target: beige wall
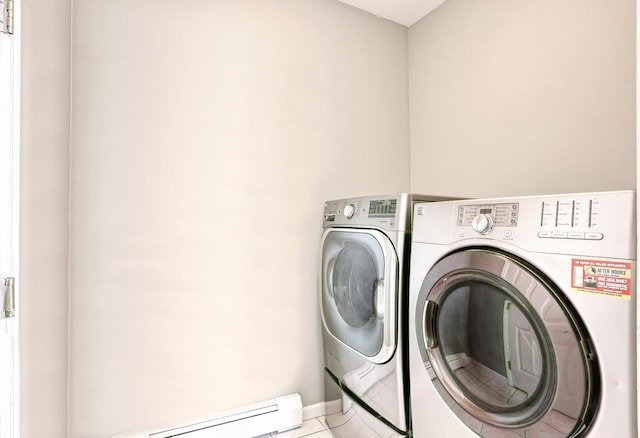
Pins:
x,y
205,139
523,97
43,282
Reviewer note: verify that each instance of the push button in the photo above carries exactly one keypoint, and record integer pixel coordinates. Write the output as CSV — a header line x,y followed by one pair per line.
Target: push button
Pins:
x,y
570,235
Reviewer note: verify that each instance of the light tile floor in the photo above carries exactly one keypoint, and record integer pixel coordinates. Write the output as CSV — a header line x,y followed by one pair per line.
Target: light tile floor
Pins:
x,y
312,428
355,423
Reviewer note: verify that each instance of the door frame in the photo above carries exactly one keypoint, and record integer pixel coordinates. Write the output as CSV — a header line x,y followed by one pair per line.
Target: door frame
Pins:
x,y
9,222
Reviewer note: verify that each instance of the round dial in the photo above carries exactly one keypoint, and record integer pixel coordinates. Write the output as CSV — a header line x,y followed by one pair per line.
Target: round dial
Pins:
x,y
348,211
483,223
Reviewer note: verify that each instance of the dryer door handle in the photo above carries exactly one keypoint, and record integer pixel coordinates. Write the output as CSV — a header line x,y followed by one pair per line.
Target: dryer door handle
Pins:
x,y
430,322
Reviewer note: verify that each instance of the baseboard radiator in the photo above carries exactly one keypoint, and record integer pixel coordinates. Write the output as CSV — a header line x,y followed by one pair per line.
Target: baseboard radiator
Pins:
x,y
278,414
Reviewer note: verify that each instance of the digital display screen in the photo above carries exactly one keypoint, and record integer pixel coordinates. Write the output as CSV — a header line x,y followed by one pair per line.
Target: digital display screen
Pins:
x,y
486,210
382,208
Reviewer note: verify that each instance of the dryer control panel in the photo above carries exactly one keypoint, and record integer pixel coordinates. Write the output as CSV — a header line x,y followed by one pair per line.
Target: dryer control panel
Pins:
x,y
572,218
502,215
583,223
576,217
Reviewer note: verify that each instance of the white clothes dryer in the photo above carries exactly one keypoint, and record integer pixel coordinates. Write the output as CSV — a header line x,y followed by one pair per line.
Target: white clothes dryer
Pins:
x,y
522,317
363,297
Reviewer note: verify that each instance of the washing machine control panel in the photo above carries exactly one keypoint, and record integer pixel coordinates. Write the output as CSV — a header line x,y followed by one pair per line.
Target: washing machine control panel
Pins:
x,y
361,209
380,212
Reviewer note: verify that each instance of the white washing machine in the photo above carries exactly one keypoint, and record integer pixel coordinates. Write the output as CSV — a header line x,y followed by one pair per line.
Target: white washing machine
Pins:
x,y
522,317
363,280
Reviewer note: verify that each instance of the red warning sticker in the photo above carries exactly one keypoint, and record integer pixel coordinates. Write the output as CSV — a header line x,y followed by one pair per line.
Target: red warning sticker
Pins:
x,y
601,277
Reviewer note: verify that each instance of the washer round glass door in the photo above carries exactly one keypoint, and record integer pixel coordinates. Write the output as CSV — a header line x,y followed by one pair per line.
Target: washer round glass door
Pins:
x,y
358,283
503,348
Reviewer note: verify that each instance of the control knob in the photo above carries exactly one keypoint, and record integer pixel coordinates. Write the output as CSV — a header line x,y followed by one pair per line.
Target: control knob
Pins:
x,y
348,211
482,223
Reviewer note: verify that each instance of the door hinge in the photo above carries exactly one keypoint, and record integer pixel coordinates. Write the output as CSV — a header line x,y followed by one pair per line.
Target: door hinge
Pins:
x,y
7,16
9,306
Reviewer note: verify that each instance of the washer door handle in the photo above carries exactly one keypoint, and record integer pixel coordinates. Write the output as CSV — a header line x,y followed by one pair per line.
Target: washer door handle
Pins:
x,y
430,321
331,267
379,301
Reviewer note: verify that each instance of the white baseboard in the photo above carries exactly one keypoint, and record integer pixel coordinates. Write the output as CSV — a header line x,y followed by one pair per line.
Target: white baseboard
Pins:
x,y
313,411
308,412
321,409
278,414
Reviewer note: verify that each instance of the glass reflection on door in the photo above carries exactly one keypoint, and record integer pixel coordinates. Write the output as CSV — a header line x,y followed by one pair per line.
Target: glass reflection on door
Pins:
x,y
490,347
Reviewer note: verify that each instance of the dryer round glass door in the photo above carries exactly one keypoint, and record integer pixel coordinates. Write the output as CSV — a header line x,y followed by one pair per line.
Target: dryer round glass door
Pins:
x,y
504,347
358,287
